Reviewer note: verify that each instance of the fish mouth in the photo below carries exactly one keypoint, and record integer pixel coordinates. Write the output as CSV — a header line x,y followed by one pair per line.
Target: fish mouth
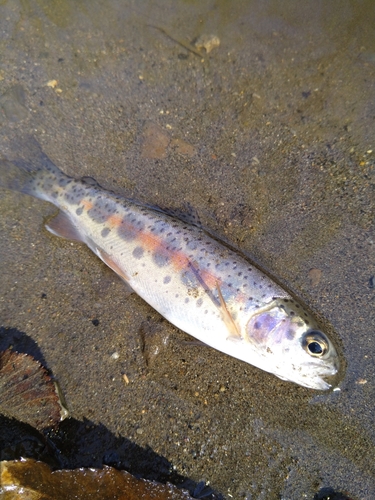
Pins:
x,y
318,384
323,380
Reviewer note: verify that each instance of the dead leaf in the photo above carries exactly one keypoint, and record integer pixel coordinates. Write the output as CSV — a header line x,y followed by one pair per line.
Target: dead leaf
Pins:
x,y
29,479
27,391
155,142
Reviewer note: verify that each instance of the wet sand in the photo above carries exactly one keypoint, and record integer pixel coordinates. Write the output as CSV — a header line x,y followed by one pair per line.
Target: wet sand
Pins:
x,y
270,137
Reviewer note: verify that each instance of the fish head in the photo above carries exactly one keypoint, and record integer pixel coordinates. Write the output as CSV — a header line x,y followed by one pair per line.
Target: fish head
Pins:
x,y
291,346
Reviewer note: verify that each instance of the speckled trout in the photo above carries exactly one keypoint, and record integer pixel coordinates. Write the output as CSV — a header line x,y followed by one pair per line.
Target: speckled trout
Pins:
x,y
200,285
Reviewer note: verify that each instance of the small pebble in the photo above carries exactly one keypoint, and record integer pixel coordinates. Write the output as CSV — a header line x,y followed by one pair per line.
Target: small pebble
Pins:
x,y
207,42
52,84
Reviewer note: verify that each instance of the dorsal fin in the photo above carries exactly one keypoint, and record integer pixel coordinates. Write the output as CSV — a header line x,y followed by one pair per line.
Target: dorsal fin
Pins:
x,y
90,181
186,214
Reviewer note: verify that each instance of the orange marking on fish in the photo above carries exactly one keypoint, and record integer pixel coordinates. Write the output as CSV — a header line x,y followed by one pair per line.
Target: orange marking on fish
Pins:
x,y
241,297
179,261
210,280
151,242
156,245
115,220
87,204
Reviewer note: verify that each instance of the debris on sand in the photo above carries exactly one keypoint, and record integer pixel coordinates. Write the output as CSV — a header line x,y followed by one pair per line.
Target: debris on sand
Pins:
x,y
27,391
27,478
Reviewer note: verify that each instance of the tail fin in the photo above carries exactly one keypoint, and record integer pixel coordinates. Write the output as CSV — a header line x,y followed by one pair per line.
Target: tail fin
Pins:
x,y
15,177
23,175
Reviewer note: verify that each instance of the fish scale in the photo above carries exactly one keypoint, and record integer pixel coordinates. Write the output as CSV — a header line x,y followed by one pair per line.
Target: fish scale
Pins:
x,y
200,285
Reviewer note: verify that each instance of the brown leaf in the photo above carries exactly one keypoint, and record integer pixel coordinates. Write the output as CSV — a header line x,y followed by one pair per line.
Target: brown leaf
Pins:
x,y
315,276
27,392
30,479
182,147
155,142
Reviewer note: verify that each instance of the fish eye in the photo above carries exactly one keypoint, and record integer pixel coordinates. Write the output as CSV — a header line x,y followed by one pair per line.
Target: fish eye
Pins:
x,y
315,343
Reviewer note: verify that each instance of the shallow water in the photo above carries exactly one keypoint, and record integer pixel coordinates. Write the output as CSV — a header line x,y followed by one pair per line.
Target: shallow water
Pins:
x,y
270,138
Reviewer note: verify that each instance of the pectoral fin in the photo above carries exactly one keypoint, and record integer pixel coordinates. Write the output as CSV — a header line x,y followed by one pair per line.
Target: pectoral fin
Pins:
x,y
234,333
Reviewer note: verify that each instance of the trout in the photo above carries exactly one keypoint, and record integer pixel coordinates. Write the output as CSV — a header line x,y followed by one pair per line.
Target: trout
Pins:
x,y
199,284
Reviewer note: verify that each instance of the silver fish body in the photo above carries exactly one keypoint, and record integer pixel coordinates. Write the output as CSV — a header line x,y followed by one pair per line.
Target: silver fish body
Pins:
x,y
197,283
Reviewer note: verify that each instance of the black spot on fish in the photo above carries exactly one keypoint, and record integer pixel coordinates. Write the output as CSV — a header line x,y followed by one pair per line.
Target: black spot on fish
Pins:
x,y
105,232
138,252
79,211
96,215
166,280
160,259
126,232
101,210
199,302
290,334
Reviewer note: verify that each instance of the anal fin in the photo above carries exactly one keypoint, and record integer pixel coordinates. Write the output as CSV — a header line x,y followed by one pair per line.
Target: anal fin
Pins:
x,y
111,262
63,226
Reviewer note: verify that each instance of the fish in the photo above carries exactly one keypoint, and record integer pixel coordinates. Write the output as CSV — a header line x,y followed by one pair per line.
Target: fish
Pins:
x,y
198,283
